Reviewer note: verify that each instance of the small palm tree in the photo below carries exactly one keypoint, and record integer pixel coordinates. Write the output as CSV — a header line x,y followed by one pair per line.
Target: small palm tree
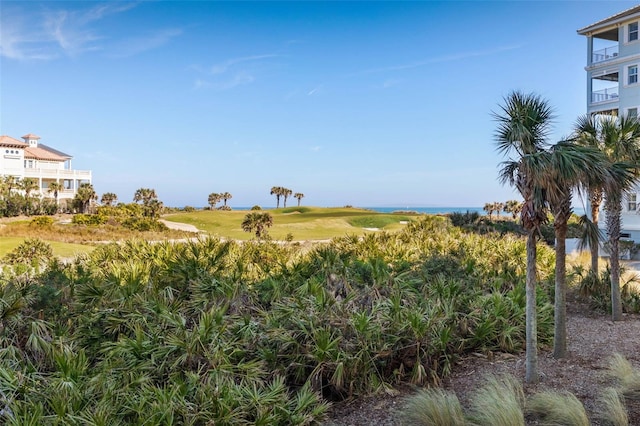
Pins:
x,y
488,207
144,195
214,198
54,188
277,191
258,223
28,185
85,195
513,207
286,193
108,199
299,196
226,196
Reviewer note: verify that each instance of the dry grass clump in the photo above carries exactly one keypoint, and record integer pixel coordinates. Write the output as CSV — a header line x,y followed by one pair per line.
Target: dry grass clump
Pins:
x,y
500,402
83,234
628,377
558,409
612,408
433,407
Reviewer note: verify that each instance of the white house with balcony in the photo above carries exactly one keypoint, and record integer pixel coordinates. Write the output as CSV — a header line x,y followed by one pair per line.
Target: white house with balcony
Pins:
x,y
613,86
28,158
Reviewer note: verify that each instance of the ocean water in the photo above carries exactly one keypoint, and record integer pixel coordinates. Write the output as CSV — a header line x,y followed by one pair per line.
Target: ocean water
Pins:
x,y
429,210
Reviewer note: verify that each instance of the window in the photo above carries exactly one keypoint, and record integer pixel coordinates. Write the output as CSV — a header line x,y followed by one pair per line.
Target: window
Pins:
x,y
633,74
633,31
632,113
632,202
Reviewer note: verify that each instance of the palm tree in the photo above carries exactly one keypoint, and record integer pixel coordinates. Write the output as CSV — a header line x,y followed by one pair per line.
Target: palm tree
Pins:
x,y
523,127
214,198
54,188
226,196
567,166
497,207
28,185
108,198
257,222
488,207
277,191
144,195
299,196
286,192
513,207
619,140
149,200
84,196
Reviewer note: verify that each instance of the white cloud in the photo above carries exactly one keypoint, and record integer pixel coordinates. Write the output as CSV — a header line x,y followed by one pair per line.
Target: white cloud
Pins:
x,y
134,46
224,66
315,91
238,79
228,74
48,33
441,59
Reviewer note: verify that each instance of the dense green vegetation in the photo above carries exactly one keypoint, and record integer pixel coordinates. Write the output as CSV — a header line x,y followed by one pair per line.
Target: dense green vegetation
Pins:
x,y
213,332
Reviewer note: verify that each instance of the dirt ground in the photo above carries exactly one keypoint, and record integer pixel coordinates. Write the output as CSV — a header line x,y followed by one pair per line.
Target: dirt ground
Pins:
x,y
593,338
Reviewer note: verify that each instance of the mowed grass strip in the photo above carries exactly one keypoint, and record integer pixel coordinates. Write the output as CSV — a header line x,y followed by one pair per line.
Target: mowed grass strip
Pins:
x,y
304,223
60,249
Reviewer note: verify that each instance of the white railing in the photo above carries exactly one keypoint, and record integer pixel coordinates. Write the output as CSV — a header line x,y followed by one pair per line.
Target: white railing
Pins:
x,y
58,173
604,95
605,54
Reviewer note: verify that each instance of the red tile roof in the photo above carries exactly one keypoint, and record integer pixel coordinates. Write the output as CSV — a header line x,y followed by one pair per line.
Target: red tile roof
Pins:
x,y
14,143
42,154
30,136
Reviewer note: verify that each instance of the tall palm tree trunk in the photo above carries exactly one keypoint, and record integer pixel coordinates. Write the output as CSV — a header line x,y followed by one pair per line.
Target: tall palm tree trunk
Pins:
x,y
561,214
595,199
613,207
531,362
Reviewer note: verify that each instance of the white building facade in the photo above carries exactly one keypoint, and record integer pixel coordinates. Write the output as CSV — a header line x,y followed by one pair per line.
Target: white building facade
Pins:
x,y
28,158
613,86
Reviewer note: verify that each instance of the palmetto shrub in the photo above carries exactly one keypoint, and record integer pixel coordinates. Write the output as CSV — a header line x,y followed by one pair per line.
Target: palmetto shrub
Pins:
x,y
258,333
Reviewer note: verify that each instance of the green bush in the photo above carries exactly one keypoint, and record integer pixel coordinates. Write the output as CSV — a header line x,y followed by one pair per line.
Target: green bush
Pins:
x,y
41,221
32,251
256,207
461,219
88,219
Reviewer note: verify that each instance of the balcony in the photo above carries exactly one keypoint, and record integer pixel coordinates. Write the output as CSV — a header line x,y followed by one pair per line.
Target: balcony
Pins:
x,y
604,95
57,174
604,54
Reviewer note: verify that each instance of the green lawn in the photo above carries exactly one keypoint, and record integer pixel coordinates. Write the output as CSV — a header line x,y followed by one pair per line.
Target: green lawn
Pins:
x,y
304,223
60,249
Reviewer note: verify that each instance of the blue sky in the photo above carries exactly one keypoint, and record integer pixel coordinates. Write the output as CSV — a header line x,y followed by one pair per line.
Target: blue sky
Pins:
x,y
361,103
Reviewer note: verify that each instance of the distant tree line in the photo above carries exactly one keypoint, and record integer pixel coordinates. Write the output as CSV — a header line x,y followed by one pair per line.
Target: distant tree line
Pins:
x,y
512,207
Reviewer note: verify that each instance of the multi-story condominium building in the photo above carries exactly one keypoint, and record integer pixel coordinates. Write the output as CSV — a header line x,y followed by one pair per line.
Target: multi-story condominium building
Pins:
x,y
30,159
613,85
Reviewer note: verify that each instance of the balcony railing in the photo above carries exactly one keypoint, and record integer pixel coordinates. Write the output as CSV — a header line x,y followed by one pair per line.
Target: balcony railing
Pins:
x,y
603,95
605,54
58,173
